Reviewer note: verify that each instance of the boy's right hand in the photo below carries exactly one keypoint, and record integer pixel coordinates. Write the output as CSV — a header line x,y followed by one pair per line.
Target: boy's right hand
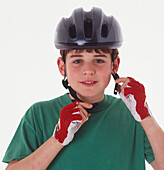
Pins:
x,y
72,116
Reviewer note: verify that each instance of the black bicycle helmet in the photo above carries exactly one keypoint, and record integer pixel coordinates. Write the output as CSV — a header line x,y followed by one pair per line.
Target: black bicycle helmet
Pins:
x,y
91,29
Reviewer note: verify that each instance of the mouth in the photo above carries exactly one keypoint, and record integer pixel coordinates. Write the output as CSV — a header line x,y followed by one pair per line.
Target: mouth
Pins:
x,y
88,83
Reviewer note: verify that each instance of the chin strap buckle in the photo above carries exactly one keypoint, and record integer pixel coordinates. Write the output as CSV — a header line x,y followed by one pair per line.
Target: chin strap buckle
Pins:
x,y
116,76
65,83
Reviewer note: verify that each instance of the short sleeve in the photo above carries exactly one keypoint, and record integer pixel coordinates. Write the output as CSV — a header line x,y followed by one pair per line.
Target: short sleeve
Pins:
x,y
24,141
148,152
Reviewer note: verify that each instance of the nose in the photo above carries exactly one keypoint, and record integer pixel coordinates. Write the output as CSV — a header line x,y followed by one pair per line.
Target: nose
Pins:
x,y
88,69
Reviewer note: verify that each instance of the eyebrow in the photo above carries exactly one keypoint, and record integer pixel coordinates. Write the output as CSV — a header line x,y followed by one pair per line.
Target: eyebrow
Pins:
x,y
100,55
75,56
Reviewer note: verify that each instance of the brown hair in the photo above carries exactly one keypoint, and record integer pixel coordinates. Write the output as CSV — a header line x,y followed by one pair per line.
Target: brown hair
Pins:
x,y
114,52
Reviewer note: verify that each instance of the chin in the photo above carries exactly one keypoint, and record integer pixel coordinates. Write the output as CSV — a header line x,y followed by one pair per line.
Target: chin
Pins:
x,y
88,94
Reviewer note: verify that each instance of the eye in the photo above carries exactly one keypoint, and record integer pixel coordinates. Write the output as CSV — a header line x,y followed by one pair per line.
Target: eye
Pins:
x,y
99,61
77,61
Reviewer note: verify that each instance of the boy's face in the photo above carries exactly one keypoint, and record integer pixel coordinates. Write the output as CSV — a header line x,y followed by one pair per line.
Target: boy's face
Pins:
x,y
88,73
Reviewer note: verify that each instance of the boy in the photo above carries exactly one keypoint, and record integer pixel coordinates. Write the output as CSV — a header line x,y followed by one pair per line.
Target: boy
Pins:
x,y
110,132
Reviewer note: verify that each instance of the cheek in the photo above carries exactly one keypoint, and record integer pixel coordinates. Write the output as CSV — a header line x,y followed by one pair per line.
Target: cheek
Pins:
x,y
105,72
106,78
72,73
106,75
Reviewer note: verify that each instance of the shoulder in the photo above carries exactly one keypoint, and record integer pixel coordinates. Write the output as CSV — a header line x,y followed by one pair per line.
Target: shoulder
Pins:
x,y
116,102
119,109
48,107
61,100
52,103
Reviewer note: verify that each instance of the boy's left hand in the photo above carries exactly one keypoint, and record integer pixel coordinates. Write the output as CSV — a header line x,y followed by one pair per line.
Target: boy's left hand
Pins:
x,y
133,94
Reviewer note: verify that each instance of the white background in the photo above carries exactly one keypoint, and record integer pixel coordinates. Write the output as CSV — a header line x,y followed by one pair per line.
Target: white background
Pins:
x,y
28,69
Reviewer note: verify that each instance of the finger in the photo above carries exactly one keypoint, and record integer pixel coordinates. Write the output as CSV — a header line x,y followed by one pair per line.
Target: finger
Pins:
x,y
121,90
121,87
83,121
77,117
136,84
85,118
84,115
85,105
133,80
124,85
83,111
122,80
73,105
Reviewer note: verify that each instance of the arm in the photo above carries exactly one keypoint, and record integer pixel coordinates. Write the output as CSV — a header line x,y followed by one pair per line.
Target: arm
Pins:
x,y
40,159
156,138
72,116
133,95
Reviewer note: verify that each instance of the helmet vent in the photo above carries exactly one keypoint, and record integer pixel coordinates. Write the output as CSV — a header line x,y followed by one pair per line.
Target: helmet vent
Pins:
x,y
72,31
88,28
104,31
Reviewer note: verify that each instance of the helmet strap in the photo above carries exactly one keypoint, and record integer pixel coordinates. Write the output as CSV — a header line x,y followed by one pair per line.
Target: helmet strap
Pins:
x,y
72,92
65,82
115,76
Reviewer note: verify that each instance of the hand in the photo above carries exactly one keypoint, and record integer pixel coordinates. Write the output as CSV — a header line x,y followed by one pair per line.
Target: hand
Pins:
x,y
72,116
133,94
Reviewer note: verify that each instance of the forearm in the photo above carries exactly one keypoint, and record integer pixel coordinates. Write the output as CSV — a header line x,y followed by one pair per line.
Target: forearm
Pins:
x,y
41,158
156,137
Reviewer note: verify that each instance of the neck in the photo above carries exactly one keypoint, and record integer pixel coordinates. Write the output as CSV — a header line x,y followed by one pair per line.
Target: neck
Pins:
x,y
88,99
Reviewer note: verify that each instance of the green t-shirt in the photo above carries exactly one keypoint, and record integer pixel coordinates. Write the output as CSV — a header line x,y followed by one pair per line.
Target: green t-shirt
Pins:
x,y
110,139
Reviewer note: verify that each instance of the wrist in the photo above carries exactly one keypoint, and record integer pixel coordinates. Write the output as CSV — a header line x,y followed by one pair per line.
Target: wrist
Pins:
x,y
146,121
149,124
56,143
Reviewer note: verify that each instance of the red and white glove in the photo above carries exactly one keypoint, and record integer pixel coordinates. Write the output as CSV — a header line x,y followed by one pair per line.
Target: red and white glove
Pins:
x,y
68,123
134,97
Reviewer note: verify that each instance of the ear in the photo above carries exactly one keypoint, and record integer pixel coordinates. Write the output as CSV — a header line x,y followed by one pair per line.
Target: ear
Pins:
x,y
116,64
60,64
